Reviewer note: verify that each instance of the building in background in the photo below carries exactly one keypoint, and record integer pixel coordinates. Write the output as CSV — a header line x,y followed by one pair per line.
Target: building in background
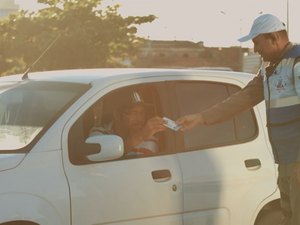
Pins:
x,y
187,54
7,7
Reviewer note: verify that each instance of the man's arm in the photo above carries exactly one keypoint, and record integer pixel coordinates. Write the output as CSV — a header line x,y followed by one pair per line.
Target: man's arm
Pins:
x,y
245,99
241,101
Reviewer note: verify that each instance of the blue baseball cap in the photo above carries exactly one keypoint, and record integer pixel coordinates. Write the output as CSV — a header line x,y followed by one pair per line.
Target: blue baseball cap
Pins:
x,y
266,23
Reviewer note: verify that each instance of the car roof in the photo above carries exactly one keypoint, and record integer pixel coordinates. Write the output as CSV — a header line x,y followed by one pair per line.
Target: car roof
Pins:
x,y
89,76
212,68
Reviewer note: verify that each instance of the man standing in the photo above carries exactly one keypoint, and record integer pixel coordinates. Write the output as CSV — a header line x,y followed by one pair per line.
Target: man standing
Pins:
x,y
279,85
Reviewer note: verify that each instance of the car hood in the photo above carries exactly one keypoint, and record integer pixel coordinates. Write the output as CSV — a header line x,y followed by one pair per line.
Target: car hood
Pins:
x,y
9,161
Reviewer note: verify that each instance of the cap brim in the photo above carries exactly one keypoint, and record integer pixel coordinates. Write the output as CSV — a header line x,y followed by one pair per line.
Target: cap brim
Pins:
x,y
245,38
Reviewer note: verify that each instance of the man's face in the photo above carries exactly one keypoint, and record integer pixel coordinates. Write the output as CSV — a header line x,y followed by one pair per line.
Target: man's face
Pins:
x,y
134,118
266,47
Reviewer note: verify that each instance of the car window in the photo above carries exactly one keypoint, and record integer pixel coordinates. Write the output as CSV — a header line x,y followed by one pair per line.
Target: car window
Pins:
x,y
26,108
197,96
117,113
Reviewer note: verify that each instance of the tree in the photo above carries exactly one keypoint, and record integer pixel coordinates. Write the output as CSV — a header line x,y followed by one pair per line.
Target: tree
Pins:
x,y
87,36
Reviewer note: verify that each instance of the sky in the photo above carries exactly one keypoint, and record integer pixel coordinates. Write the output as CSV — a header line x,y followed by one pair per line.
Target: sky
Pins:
x,y
218,23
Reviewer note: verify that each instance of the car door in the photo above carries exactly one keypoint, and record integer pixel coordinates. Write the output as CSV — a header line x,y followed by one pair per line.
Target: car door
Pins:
x,y
135,190
227,168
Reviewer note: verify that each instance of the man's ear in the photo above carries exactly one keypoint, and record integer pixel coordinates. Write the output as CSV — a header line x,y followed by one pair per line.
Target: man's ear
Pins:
x,y
274,37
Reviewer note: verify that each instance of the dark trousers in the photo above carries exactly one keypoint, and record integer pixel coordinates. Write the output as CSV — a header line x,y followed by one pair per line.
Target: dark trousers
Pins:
x,y
290,193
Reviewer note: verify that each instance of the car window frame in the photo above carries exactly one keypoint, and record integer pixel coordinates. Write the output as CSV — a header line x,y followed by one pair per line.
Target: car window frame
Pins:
x,y
160,90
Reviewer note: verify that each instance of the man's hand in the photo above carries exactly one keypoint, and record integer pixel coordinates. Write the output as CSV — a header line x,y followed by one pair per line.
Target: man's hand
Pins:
x,y
189,121
153,126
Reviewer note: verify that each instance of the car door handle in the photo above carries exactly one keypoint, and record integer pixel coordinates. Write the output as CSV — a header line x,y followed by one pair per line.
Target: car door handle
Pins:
x,y
161,175
252,164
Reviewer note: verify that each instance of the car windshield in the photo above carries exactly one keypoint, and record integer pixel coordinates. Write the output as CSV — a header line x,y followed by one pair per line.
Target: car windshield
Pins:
x,y
28,107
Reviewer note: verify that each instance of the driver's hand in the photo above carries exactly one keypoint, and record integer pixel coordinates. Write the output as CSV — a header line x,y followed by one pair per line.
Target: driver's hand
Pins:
x,y
153,126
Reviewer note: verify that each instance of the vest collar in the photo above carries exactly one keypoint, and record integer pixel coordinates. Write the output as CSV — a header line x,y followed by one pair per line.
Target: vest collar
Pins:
x,y
273,64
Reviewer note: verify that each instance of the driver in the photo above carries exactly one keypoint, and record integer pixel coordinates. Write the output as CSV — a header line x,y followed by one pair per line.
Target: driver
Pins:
x,y
131,123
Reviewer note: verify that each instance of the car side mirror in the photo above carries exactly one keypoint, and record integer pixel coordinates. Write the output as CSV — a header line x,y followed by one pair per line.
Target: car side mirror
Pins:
x,y
110,147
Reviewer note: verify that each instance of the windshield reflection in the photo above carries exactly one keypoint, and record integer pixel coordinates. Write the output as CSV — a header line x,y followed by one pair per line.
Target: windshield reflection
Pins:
x,y
27,107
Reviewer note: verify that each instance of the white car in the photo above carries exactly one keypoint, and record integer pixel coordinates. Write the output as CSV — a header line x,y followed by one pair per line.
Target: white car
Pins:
x,y
53,173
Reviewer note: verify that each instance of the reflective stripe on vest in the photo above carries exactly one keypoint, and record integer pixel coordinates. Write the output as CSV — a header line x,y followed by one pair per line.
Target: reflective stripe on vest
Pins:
x,y
284,102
